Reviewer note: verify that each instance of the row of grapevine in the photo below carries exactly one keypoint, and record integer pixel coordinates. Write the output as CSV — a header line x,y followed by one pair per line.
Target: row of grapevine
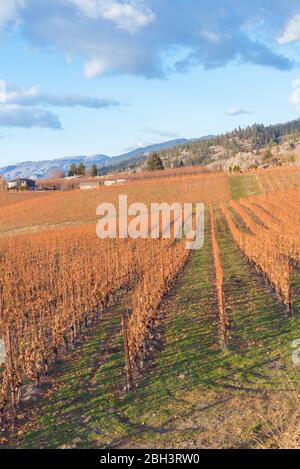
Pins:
x,y
156,281
146,299
264,253
12,198
53,285
62,208
277,179
272,242
283,223
56,282
248,221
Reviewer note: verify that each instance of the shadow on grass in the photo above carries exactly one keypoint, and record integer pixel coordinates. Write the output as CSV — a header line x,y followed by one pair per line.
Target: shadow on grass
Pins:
x,y
192,379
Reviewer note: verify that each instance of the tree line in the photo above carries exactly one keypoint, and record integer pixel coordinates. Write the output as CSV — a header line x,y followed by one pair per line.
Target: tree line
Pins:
x,y
80,170
252,138
154,163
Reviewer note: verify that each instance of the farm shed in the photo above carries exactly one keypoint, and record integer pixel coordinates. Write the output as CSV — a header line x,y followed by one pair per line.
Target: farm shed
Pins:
x,y
85,186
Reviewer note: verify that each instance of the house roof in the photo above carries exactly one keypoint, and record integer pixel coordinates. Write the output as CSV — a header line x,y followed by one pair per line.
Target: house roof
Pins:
x,y
22,180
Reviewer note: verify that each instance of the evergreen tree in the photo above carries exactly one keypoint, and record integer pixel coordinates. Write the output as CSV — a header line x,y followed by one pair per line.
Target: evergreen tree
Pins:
x,y
94,171
81,170
73,170
154,162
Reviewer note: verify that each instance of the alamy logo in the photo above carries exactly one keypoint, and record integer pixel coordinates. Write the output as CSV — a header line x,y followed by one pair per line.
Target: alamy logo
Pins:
x,y
161,221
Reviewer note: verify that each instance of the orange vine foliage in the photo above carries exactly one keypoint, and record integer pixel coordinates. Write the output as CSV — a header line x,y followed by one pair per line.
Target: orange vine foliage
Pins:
x,y
52,285
273,243
57,281
277,179
157,281
11,198
279,212
44,210
262,251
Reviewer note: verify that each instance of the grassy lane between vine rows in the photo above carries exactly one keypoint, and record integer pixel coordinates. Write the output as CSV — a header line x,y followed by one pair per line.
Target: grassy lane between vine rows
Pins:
x,y
99,414
243,185
192,393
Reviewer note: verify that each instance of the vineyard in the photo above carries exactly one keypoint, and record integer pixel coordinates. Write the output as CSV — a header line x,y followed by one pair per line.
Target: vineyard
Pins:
x,y
79,207
12,198
135,338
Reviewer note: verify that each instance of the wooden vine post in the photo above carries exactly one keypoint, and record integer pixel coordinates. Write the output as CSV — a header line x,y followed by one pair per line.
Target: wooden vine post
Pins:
x,y
11,370
126,352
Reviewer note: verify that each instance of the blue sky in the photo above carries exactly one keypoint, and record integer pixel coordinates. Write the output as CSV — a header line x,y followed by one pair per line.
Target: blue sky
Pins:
x,y
106,76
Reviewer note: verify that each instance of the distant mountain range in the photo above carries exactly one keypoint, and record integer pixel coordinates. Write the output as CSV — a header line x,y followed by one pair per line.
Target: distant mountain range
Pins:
x,y
44,169
245,144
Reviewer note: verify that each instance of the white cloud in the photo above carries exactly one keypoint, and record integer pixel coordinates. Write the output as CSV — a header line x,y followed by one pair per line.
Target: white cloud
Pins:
x,y
13,115
137,37
130,16
34,96
292,31
211,36
14,94
236,111
19,107
9,11
96,67
295,96
296,83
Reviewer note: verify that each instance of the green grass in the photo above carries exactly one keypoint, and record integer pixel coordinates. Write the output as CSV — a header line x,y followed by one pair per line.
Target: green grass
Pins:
x,y
111,419
79,399
193,393
243,186
261,335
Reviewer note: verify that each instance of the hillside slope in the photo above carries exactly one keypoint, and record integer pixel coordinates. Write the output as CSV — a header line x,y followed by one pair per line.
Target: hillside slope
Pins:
x,y
242,148
43,169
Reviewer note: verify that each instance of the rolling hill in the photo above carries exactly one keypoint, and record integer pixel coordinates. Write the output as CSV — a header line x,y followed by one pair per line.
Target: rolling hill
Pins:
x,y
241,148
43,169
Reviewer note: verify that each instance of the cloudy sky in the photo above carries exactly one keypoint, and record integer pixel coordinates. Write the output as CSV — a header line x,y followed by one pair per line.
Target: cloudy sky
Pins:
x,y
104,76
